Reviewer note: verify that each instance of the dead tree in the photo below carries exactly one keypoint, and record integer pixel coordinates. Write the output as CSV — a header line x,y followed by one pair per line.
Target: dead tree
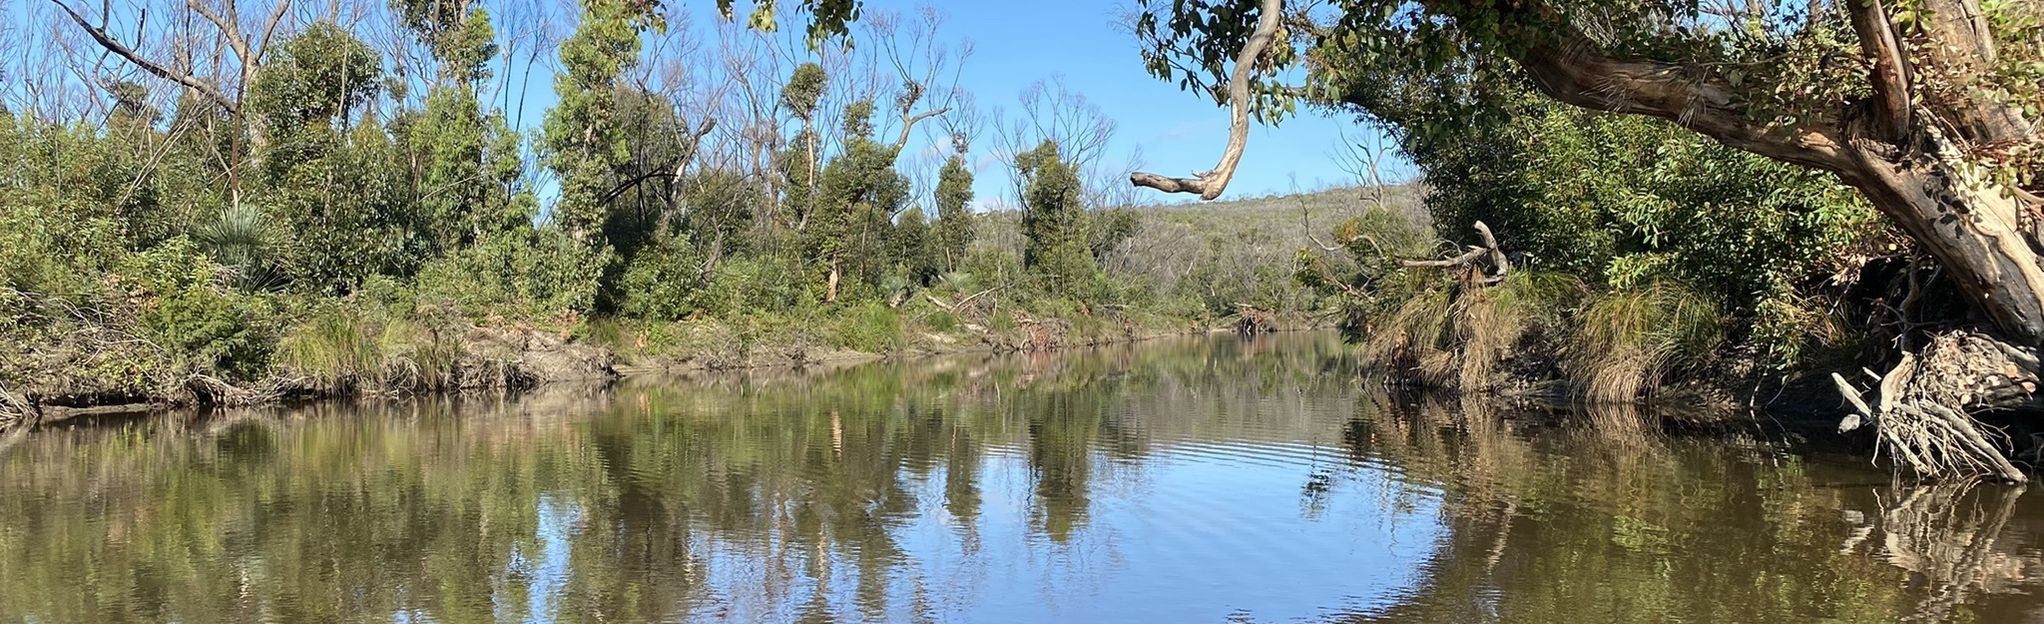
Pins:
x,y
1499,266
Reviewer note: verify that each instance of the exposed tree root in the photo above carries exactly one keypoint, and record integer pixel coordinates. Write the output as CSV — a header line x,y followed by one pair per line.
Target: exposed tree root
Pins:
x,y
16,412
1251,320
1922,406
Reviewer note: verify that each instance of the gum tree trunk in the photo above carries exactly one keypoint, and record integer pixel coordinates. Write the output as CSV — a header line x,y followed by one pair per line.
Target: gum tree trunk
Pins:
x,y
1908,154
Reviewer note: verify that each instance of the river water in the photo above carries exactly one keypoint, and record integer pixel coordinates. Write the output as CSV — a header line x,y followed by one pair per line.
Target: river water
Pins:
x,y
1195,480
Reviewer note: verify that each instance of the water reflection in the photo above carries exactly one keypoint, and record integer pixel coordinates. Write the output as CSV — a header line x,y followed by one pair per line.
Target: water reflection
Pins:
x,y
1199,480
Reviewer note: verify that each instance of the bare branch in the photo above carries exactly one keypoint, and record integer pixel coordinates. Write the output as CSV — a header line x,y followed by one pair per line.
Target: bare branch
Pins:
x,y
123,51
270,29
228,26
909,121
1497,254
1210,184
1472,255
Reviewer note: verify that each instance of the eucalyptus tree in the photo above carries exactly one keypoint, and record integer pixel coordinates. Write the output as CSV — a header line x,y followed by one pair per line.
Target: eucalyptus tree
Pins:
x,y
584,137
953,232
465,165
1925,107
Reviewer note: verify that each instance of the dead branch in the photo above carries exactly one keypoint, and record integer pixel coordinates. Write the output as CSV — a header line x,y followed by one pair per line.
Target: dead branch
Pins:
x,y
1470,256
1920,415
1501,265
909,122
1209,184
122,50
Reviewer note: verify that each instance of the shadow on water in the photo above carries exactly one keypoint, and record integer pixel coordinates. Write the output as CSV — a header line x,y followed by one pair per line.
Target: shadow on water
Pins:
x,y
1213,479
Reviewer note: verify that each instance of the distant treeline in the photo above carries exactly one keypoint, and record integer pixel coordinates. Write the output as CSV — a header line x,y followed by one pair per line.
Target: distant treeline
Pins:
x,y
340,200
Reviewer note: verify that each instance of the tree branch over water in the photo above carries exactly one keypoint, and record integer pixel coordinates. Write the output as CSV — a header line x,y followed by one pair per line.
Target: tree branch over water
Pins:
x,y
1209,184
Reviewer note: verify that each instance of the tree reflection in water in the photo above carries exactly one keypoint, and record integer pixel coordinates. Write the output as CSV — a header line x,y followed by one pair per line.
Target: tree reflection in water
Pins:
x,y
1200,479
1612,521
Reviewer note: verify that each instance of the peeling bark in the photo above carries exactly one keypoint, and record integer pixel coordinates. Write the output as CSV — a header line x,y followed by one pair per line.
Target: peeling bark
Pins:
x,y
1896,155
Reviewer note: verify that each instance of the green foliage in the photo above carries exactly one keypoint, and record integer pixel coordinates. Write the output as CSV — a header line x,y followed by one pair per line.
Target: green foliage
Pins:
x,y
471,166
870,327
954,231
244,240
346,201
583,138
1054,220
803,90
915,249
858,197
1629,200
186,308
773,283
662,282
458,33
346,230
1626,202
537,273
318,77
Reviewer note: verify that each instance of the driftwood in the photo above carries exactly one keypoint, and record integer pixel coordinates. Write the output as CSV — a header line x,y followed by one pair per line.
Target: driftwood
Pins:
x,y
1500,266
1920,410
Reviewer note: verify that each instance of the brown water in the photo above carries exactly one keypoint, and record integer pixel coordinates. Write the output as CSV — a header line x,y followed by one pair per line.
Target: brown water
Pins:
x,y
1205,480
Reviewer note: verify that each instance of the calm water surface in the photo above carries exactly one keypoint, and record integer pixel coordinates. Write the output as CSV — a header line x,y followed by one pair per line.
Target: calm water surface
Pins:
x,y
1200,480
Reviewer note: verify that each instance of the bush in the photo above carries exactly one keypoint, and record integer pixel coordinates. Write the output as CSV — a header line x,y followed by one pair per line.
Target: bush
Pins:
x,y
531,274
190,311
661,282
869,326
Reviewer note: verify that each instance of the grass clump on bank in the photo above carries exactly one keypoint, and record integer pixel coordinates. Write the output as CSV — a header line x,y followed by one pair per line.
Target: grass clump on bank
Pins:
x,y
1626,341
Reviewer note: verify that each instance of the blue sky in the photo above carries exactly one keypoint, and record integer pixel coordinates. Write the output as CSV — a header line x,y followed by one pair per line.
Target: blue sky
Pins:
x,y
1080,44
1077,41
1178,132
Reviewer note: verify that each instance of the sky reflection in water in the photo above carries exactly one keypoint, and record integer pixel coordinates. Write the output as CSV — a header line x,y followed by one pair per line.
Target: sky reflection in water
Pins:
x,y
1191,480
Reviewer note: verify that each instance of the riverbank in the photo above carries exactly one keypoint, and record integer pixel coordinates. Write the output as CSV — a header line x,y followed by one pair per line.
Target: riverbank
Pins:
x,y
957,465
520,357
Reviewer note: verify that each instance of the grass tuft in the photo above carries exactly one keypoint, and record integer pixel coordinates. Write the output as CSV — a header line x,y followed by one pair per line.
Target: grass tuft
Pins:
x,y
1626,341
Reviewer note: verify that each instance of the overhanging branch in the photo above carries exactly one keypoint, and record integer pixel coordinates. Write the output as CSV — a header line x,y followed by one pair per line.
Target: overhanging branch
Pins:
x,y
1210,184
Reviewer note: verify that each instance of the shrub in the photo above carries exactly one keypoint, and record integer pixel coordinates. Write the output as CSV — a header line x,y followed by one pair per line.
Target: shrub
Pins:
x,y
191,313
661,282
530,274
868,326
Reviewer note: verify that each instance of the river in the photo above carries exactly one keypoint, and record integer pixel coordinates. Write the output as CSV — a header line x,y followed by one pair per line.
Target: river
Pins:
x,y
1193,480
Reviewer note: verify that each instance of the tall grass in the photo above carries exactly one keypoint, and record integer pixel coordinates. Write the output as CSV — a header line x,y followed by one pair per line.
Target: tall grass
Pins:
x,y
345,348
1457,336
1626,341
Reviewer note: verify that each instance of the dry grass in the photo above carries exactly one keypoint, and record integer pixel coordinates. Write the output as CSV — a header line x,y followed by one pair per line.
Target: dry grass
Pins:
x,y
1626,341
1457,337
